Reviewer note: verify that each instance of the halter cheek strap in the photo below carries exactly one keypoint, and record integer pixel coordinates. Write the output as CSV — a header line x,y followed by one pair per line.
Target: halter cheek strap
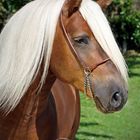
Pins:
x,y
87,69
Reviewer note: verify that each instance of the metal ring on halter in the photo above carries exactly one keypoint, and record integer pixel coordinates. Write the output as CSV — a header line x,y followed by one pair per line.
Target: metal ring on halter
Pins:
x,y
87,70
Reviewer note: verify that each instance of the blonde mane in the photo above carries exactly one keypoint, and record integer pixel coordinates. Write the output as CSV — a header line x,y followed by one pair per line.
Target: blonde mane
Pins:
x,y
27,40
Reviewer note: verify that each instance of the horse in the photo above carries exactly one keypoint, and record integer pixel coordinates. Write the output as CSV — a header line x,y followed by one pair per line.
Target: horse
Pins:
x,y
36,48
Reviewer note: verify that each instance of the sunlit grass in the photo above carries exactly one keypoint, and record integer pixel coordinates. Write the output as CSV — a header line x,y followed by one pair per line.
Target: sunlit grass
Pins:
x,y
124,125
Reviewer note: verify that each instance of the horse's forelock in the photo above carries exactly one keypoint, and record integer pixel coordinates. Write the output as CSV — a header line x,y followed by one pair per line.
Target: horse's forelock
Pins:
x,y
98,23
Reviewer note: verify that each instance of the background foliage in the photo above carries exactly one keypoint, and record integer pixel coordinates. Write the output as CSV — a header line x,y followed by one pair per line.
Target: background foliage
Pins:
x,y
8,7
125,22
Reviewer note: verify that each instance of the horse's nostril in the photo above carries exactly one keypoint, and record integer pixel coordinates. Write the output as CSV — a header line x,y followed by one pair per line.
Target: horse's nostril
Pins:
x,y
116,100
116,97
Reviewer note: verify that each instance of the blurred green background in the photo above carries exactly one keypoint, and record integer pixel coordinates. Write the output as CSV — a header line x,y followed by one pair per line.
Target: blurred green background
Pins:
x,y
124,17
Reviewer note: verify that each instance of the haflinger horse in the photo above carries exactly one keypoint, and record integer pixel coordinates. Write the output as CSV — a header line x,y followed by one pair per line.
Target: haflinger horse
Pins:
x,y
49,39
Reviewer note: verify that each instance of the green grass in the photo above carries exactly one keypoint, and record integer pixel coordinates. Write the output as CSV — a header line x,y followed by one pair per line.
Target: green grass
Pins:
x,y
124,125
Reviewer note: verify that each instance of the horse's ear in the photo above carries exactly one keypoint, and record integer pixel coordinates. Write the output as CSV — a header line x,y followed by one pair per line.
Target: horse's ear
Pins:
x,y
104,3
70,7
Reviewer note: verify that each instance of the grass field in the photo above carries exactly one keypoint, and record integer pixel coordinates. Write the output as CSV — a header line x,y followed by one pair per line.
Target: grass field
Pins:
x,y
124,125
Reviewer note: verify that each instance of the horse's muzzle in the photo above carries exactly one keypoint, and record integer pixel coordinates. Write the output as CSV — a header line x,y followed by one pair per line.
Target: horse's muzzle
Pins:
x,y
110,98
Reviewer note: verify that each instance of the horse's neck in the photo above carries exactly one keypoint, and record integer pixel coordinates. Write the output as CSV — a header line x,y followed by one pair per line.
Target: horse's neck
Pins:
x,y
21,122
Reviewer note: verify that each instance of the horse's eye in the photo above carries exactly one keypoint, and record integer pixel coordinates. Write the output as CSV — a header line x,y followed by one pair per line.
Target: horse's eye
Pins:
x,y
82,40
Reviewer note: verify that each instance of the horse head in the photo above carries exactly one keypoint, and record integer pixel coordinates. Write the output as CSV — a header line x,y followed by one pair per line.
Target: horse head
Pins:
x,y
85,53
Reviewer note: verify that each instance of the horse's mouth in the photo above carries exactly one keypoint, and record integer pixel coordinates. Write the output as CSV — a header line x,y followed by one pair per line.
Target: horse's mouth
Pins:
x,y
100,106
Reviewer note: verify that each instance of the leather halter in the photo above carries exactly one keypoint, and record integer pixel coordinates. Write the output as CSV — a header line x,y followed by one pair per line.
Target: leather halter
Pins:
x,y
87,69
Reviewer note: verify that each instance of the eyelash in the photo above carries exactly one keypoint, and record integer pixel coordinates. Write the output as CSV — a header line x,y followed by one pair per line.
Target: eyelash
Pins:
x,y
82,40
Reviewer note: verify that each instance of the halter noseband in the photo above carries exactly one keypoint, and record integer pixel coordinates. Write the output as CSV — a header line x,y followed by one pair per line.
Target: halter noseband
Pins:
x,y
87,69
